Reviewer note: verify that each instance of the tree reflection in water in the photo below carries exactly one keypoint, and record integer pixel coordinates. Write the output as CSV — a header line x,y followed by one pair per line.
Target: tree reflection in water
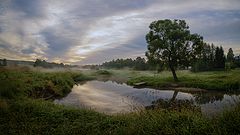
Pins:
x,y
208,97
200,98
174,104
113,96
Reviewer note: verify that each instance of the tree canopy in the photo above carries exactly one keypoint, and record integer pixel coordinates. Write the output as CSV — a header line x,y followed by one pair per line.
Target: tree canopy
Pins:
x,y
171,42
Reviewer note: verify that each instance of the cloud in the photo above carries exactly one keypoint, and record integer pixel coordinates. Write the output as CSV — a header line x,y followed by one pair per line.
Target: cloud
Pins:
x,y
132,49
30,8
93,31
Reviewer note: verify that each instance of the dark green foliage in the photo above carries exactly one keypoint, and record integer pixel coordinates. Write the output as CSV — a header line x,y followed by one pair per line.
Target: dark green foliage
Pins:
x,y
231,62
219,60
140,64
45,64
230,55
137,64
203,58
3,62
118,64
208,58
236,62
170,41
93,67
81,77
10,89
174,104
103,72
229,122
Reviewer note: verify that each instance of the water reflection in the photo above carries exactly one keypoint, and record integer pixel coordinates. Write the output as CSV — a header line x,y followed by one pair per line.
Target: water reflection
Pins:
x,y
101,96
174,104
177,105
111,97
208,97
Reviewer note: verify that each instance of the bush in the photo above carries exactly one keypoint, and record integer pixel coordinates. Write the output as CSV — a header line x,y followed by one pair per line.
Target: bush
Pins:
x,y
81,77
103,72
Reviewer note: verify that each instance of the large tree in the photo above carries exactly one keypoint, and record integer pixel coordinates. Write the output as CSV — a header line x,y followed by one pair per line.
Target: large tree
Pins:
x,y
170,41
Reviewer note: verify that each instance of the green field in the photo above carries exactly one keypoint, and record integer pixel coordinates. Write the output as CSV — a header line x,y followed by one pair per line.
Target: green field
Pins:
x,y
214,80
25,110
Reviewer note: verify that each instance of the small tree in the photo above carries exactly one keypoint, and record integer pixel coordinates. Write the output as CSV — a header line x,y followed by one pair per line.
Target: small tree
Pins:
x,y
171,42
4,62
37,63
219,58
230,59
230,55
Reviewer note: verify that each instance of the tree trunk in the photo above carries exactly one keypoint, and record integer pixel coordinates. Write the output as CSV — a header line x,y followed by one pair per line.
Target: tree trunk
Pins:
x,y
174,73
174,96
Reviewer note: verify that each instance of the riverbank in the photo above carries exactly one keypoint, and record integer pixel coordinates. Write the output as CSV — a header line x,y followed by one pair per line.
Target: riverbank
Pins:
x,y
214,80
25,109
34,116
23,82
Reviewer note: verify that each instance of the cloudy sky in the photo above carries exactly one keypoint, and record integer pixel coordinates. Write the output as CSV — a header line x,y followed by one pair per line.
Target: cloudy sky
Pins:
x,y
94,31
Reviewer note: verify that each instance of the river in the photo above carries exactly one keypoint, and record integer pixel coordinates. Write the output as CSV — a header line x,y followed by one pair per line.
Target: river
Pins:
x,y
111,98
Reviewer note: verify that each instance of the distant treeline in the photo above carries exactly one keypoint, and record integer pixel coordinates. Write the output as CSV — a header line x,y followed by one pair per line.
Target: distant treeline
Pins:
x,y
207,58
6,62
37,63
45,64
137,64
212,57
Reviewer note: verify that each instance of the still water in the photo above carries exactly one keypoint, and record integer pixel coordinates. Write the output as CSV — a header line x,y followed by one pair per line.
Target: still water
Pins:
x,y
110,97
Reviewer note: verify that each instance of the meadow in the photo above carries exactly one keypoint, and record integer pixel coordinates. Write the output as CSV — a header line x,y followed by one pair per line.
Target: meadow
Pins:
x,y
211,80
26,105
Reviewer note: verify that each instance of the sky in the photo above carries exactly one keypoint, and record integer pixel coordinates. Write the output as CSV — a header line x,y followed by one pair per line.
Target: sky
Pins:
x,y
94,31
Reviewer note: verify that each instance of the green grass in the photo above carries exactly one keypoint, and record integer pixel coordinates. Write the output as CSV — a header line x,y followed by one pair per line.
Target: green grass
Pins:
x,y
37,84
217,80
120,76
21,113
34,116
103,72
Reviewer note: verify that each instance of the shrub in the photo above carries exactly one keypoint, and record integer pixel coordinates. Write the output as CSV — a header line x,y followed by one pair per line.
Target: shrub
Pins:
x,y
103,72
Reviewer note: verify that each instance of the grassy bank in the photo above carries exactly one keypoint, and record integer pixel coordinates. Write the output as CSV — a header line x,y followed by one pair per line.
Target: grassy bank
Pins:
x,y
217,80
43,117
25,110
25,83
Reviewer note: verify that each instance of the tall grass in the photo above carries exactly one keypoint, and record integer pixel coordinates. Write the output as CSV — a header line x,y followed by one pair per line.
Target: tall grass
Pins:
x,y
21,113
37,84
43,117
218,80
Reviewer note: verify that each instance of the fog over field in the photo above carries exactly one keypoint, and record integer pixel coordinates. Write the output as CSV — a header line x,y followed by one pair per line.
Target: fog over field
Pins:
x,y
93,31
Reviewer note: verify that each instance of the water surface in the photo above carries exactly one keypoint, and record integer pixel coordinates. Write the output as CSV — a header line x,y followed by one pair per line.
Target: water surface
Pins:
x,y
111,97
